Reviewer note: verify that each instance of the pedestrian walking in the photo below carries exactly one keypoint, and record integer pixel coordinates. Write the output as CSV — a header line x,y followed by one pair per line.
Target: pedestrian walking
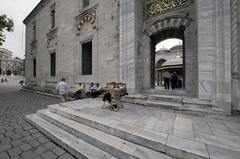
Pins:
x,y
62,88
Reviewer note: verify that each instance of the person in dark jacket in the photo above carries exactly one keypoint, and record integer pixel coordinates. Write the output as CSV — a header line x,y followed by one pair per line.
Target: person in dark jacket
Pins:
x,y
174,80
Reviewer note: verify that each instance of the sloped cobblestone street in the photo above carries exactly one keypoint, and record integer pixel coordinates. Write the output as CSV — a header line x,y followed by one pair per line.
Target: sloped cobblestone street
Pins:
x,y
18,139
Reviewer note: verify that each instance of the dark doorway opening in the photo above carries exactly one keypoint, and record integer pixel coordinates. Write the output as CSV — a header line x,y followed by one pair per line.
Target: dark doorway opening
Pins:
x,y
9,72
15,73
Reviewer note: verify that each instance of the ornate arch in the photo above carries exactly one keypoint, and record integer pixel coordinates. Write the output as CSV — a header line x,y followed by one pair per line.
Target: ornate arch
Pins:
x,y
88,16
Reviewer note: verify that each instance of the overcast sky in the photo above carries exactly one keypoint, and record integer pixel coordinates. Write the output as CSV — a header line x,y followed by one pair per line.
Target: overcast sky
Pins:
x,y
18,11
168,44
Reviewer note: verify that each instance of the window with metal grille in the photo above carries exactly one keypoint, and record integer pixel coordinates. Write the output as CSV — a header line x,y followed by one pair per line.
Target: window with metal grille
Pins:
x,y
34,67
34,31
87,58
85,3
53,64
52,18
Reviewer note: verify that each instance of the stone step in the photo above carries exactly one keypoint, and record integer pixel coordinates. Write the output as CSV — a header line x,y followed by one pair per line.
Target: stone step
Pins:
x,y
166,92
170,98
171,102
182,148
134,99
69,142
164,104
112,144
197,105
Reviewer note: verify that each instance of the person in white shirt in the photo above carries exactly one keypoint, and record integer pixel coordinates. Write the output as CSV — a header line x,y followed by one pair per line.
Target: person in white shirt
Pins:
x,y
62,88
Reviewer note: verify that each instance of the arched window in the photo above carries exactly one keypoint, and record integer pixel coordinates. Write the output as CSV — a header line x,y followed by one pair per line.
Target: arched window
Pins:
x,y
85,3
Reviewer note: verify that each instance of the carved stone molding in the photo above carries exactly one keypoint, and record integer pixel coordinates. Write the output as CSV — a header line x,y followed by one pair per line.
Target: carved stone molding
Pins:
x,y
53,7
33,45
180,22
88,16
52,35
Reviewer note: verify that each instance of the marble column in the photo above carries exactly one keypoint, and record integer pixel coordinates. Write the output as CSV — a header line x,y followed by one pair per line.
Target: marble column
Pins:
x,y
214,53
131,29
235,27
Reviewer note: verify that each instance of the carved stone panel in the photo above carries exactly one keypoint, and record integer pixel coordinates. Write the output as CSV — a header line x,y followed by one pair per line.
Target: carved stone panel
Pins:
x,y
51,36
155,7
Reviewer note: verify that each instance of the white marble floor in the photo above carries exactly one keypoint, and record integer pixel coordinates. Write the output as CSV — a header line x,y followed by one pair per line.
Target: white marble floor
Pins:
x,y
222,131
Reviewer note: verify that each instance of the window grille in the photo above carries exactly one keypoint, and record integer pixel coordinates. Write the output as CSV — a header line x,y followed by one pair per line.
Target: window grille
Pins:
x,y
53,64
87,58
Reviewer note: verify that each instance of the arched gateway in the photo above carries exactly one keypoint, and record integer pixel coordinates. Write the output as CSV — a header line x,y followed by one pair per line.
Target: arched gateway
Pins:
x,y
145,23
165,20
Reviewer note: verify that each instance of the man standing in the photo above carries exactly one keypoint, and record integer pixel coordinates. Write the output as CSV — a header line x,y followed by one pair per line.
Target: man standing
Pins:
x,y
166,76
174,80
62,88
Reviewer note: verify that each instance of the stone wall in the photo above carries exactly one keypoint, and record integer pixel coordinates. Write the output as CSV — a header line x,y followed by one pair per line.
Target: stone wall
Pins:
x,y
67,44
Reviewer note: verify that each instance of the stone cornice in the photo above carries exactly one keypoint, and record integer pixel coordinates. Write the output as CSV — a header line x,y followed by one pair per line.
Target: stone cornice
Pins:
x,y
86,16
33,13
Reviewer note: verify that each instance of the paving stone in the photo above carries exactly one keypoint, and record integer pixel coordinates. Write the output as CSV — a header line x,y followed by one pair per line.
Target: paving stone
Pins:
x,y
40,150
4,155
34,143
5,147
49,145
15,136
28,128
43,139
33,131
25,133
28,155
66,156
9,133
2,130
28,138
17,127
16,157
49,155
14,152
16,143
58,151
37,135
25,147
17,131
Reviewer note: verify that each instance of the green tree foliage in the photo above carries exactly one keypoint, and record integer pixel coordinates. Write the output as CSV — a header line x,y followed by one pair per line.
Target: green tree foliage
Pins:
x,y
6,24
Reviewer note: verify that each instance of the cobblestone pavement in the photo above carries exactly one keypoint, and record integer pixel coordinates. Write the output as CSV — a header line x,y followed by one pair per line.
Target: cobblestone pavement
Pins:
x,y
18,139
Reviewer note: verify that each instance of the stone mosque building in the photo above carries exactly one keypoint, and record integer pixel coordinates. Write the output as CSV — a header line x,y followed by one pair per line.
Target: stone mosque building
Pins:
x,y
115,40
10,66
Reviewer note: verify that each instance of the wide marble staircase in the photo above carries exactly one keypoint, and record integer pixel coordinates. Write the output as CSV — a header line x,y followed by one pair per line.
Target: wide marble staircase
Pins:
x,y
85,136
102,136
87,131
